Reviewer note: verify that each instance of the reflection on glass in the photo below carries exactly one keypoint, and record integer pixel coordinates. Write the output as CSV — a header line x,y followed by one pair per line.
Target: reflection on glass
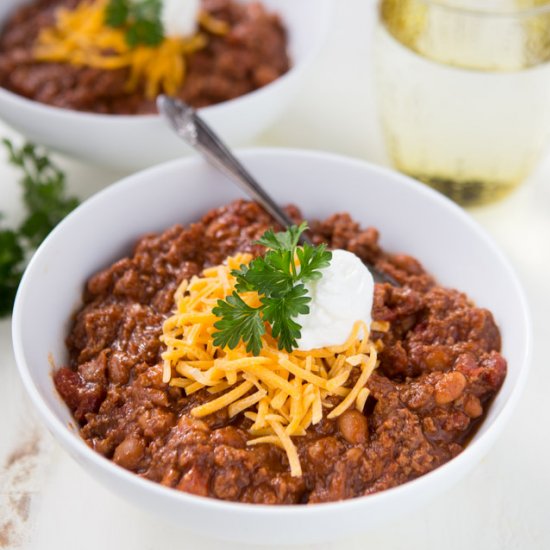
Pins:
x,y
464,91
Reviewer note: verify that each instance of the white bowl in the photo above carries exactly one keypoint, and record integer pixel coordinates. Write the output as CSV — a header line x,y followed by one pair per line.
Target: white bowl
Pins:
x,y
412,218
132,142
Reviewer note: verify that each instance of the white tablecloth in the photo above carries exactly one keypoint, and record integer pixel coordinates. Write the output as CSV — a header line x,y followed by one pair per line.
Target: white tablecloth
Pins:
x,y
47,500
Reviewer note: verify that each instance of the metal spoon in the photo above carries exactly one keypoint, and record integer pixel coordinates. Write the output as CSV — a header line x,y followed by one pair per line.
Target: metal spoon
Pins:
x,y
195,132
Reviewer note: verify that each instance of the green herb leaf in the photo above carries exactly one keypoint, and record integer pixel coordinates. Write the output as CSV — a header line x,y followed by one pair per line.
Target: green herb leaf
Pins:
x,y
11,268
139,18
46,205
312,259
285,240
44,192
149,33
116,13
238,321
264,277
279,283
279,312
145,10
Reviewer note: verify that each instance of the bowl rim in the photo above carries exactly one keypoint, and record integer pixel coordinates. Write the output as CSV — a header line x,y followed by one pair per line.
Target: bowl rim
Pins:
x,y
325,8
462,462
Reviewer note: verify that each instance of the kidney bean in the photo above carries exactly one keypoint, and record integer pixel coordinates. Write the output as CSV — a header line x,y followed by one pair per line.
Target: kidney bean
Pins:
x,y
449,387
353,426
129,453
472,406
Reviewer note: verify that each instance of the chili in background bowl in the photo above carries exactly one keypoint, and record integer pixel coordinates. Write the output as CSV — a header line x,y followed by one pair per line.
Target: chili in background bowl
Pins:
x,y
411,218
130,142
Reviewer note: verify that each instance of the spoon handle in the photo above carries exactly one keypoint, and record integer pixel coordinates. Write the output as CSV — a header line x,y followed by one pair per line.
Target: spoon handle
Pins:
x,y
196,133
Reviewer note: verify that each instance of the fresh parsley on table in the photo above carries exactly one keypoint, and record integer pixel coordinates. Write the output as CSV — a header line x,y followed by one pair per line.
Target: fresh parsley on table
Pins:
x,y
279,282
46,204
11,268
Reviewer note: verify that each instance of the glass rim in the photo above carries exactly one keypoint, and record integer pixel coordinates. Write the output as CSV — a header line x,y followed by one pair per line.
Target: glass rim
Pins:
x,y
490,12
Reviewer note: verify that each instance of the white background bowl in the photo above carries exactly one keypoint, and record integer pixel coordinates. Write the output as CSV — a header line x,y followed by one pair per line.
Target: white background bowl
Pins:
x,y
412,219
138,141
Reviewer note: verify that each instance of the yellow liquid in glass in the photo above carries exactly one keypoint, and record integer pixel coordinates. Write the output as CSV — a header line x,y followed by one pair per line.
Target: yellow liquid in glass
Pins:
x,y
465,101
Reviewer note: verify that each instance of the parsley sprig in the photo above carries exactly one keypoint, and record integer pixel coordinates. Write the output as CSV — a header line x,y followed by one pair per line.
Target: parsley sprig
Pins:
x,y
140,19
46,204
11,268
279,283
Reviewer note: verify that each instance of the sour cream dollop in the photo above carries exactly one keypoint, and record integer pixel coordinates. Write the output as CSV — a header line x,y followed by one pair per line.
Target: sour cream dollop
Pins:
x,y
342,296
179,17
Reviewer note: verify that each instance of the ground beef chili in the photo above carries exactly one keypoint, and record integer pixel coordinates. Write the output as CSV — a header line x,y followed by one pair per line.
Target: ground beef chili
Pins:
x,y
439,369
250,56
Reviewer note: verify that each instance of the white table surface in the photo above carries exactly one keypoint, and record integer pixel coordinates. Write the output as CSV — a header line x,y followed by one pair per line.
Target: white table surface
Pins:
x,y
46,499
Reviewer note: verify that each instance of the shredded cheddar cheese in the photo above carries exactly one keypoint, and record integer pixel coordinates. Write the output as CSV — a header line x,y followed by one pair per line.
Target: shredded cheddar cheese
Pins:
x,y
281,393
212,25
80,37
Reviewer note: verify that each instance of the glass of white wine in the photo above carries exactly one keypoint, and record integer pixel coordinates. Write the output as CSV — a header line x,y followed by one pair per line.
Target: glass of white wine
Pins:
x,y
464,91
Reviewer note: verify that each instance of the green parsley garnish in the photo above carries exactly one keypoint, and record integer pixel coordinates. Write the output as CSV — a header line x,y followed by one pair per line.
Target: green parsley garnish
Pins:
x,y
46,205
280,285
140,19
11,268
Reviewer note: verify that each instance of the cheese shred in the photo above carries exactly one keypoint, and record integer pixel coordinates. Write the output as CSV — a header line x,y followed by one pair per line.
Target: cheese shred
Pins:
x,y
282,394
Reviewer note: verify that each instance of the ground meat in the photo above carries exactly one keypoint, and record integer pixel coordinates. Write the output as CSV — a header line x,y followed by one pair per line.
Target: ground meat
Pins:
x,y
250,56
439,369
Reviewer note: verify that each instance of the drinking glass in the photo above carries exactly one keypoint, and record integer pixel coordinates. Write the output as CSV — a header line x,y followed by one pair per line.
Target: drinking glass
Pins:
x,y
464,91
